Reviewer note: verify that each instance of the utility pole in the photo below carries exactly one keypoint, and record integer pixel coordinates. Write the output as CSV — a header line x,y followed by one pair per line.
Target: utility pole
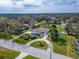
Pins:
x,y
50,52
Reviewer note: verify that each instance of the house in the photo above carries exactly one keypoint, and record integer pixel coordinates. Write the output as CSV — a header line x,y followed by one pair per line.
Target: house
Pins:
x,y
53,20
23,26
40,31
26,25
61,33
77,44
35,33
74,25
63,25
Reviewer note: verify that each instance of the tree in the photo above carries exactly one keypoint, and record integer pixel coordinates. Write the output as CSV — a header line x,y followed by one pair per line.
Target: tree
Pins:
x,y
73,26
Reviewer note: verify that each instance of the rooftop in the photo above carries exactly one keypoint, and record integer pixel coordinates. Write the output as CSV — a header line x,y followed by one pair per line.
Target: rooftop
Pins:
x,y
41,30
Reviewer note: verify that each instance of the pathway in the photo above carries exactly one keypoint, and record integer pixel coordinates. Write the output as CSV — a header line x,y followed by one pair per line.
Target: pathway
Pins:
x,y
28,32
22,55
42,39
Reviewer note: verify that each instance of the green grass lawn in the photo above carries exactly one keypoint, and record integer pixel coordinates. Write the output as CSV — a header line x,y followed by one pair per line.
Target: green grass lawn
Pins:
x,y
8,54
60,29
64,50
30,57
40,44
59,49
38,36
67,49
25,30
22,41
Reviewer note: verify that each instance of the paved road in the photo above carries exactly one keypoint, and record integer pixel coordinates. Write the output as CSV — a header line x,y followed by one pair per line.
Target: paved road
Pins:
x,y
42,54
42,39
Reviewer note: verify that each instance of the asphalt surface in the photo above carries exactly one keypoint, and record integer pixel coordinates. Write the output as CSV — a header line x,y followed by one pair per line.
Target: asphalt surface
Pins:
x,y
42,54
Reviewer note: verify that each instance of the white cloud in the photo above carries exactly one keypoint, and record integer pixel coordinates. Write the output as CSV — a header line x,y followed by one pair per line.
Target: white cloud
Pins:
x,y
36,5
36,2
20,3
5,3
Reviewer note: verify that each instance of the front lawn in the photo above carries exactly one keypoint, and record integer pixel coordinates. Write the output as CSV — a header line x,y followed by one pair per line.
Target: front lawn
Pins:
x,y
40,44
8,54
59,49
23,39
30,57
37,36
68,49
60,29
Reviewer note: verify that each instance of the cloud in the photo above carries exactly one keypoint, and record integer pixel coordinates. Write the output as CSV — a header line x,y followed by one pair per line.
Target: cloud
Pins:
x,y
38,5
35,3
31,3
5,3
30,6
67,2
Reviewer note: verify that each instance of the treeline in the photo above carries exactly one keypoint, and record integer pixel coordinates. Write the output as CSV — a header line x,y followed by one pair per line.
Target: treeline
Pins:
x,y
12,25
72,26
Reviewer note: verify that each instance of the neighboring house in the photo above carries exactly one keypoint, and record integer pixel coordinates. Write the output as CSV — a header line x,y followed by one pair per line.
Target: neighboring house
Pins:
x,y
24,26
53,20
74,25
40,31
63,25
77,44
73,29
61,33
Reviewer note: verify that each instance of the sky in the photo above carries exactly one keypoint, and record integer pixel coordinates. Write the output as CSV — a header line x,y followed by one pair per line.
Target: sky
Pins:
x,y
39,6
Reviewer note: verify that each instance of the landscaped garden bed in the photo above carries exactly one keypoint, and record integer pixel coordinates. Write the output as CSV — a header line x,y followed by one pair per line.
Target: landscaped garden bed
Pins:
x,y
40,44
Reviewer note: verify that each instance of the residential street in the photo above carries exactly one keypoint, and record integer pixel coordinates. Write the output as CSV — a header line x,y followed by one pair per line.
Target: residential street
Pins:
x,y
42,54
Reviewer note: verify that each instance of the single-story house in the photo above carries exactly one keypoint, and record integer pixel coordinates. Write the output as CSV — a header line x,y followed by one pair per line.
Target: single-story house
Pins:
x,y
40,31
